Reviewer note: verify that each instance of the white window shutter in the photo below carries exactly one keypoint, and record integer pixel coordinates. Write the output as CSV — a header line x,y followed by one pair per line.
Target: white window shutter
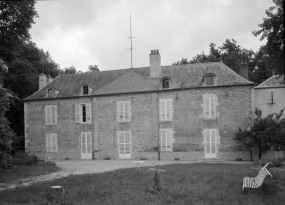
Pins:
x,y
129,110
77,113
54,142
52,116
269,99
213,104
171,109
162,109
204,137
206,107
56,115
168,109
88,113
47,142
120,111
46,114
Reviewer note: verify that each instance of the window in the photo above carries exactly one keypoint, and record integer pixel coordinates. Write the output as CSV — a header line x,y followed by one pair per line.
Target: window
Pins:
x,y
210,106
209,79
51,114
166,110
124,111
165,83
85,90
51,92
271,97
166,136
83,113
51,142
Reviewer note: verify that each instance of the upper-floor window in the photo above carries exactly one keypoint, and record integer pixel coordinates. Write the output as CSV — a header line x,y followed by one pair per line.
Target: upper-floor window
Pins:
x,y
85,90
51,92
165,83
166,109
210,103
51,114
209,79
83,113
124,111
51,142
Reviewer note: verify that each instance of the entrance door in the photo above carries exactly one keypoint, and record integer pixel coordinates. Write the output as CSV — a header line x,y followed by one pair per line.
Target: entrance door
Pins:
x,y
210,144
125,145
86,145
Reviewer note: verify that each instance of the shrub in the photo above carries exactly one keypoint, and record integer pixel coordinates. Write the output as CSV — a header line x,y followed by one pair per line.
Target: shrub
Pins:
x,y
107,158
22,158
177,159
238,159
278,163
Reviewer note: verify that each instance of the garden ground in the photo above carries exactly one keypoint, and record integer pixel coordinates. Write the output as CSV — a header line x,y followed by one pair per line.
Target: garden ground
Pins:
x,y
196,183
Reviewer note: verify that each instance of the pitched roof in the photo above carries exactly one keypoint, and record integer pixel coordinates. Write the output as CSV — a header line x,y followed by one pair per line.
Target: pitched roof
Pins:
x,y
138,80
273,81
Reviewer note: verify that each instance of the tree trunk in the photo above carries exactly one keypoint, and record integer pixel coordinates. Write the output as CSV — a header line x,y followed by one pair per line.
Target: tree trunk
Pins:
x,y
259,151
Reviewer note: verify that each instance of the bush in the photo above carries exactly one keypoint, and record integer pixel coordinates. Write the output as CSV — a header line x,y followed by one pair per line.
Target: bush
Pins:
x,y
22,158
238,159
277,163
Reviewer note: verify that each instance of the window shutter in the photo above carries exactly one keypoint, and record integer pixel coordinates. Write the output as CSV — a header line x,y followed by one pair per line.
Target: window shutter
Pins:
x,y
77,113
162,109
56,115
168,109
120,111
213,107
273,96
206,107
46,114
54,142
172,109
88,113
269,99
49,115
128,114
52,116
48,142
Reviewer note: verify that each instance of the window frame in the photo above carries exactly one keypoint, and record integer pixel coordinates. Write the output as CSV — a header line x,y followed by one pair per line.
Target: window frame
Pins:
x,y
205,79
211,106
163,81
49,115
126,112
168,133
53,144
48,92
163,111
84,87
79,113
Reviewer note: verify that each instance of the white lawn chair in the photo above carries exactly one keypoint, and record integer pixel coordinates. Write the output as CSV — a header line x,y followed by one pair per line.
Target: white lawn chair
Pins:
x,y
255,184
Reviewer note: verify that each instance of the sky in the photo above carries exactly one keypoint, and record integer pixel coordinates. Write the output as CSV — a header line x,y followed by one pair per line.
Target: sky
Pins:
x,y
95,32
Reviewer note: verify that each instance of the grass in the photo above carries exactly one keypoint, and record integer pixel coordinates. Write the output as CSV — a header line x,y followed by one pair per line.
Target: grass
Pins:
x,y
24,171
181,184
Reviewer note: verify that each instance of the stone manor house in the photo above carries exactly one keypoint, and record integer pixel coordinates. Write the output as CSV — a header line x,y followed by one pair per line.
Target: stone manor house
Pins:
x,y
190,112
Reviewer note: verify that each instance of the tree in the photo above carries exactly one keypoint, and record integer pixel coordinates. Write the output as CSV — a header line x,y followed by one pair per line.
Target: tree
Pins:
x,y
92,68
6,134
264,133
16,18
272,29
70,70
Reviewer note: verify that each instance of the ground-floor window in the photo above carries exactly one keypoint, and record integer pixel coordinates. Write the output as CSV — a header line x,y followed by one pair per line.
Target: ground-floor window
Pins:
x,y
211,139
166,139
51,142
125,144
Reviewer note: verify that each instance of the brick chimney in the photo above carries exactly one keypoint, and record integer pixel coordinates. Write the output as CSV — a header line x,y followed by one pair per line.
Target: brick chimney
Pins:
x,y
43,80
155,67
243,69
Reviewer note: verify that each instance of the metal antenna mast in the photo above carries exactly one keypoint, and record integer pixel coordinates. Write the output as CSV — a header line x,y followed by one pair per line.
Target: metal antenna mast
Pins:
x,y
131,39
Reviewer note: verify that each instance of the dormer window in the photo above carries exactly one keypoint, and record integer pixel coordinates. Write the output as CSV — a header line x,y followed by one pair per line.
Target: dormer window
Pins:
x,y
165,83
85,90
209,79
51,92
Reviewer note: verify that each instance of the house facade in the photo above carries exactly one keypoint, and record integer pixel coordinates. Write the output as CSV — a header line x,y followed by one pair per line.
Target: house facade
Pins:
x,y
188,112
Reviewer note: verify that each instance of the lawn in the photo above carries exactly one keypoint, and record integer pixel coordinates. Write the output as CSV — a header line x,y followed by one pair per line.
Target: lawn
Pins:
x,y
25,171
181,184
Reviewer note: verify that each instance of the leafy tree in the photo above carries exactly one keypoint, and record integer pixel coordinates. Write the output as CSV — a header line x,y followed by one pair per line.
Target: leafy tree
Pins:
x,y
92,68
272,29
6,134
16,18
70,70
264,133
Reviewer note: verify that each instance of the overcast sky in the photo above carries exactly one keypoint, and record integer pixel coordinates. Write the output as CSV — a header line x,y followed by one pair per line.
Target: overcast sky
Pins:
x,y
85,32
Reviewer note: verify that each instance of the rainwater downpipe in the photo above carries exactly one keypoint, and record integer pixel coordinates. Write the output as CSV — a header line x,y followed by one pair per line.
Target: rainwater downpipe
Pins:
x,y
158,127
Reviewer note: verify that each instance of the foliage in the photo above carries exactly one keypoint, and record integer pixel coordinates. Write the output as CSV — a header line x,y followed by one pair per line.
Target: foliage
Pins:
x,y
156,182
206,183
22,158
272,29
70,70
6,134
264,133
92,68
16,18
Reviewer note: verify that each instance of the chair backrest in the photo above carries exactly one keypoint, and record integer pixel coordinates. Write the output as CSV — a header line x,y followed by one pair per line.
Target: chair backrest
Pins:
x,y
263,173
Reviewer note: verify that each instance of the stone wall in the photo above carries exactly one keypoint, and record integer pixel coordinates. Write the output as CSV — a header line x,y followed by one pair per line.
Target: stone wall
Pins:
x,y
234,110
